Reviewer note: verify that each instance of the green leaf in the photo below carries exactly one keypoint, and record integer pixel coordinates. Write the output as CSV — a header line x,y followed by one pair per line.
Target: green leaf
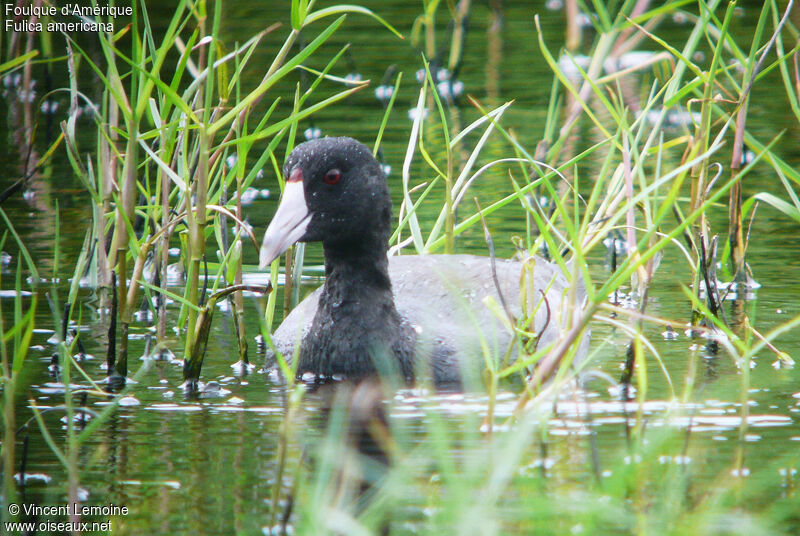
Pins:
x,y
780,204
10,64
254,95
348,8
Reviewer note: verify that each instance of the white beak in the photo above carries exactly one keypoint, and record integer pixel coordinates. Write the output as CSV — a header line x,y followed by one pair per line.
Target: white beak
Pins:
x,y
288,225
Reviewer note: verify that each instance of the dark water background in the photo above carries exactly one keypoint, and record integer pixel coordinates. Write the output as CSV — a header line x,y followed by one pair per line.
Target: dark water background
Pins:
x,y
205,466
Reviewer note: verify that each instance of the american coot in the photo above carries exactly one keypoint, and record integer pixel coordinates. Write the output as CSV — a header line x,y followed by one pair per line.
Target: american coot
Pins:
x,y
411,315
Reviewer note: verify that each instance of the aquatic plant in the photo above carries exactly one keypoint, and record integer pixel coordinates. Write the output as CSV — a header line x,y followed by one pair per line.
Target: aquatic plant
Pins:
x,y
177,137
640,192
164,138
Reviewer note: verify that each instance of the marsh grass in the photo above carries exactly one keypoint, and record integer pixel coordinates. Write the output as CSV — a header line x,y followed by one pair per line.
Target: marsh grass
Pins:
x,y
14,344
174,108
65,364
164,135
640,193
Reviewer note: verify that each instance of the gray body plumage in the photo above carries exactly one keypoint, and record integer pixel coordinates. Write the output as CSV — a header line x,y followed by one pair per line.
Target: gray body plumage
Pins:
x,y
446,324
409,316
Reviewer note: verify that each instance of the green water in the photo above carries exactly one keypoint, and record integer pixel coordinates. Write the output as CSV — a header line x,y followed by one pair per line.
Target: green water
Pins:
x,y
207,466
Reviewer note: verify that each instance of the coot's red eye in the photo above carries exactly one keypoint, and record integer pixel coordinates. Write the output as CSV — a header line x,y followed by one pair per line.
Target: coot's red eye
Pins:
x,y
333,176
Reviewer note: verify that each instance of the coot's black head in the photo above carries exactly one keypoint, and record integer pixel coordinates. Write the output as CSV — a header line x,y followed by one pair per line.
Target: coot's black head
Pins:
x,y
335,193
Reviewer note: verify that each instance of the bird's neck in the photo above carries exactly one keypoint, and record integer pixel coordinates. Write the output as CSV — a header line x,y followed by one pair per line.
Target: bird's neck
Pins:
x,y
357,330
357,269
